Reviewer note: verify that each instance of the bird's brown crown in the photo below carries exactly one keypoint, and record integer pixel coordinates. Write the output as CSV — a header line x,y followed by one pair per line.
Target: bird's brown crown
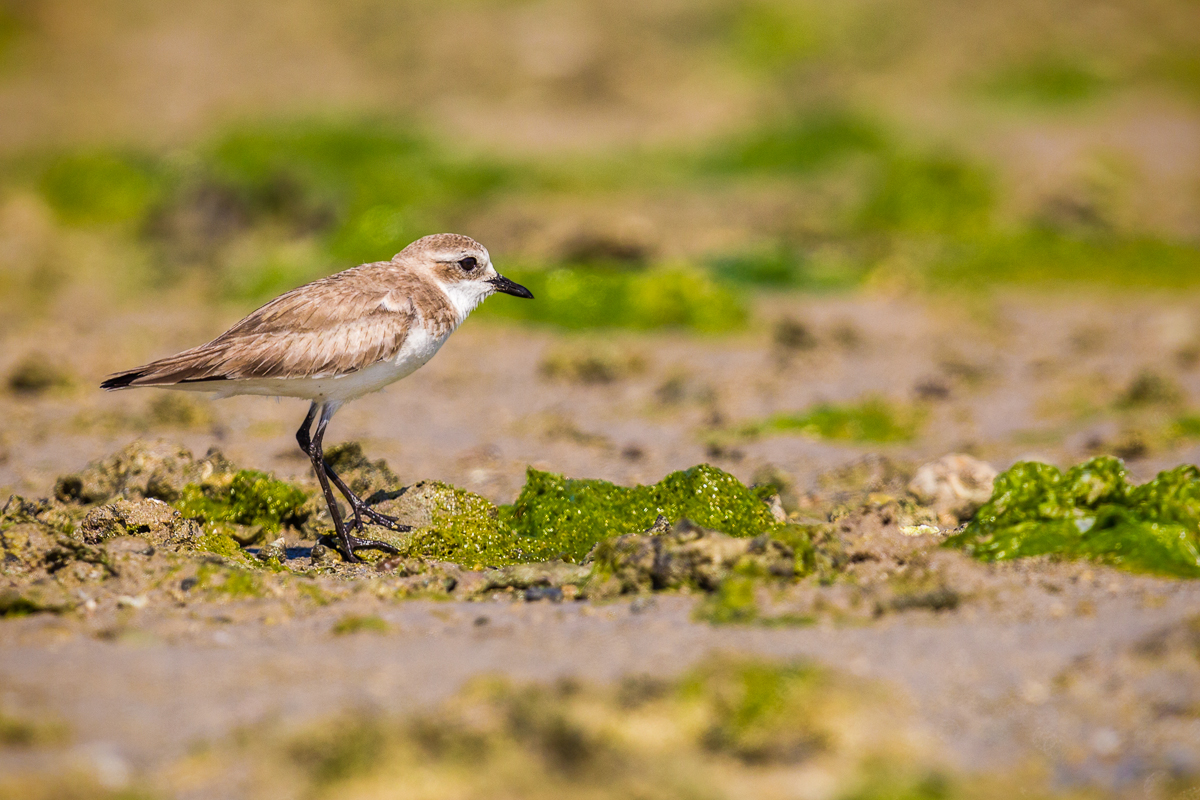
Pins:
x,y
451,256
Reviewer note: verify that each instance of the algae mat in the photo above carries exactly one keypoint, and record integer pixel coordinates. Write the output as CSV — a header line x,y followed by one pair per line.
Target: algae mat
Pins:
x,y
1091,511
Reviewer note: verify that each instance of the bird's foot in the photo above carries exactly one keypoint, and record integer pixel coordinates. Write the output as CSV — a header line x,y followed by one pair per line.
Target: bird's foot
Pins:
x,y
365,512
350,543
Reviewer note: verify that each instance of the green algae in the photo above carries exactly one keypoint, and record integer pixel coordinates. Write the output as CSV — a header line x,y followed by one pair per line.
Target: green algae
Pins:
x,y
560,518
91,188
27,733
733,602
939,194
247,498
801,144
566,517
762,713
354,623
1091,511
1050,80
1046,258
872,420
1186,426
457,526
233,582
583,298
218,543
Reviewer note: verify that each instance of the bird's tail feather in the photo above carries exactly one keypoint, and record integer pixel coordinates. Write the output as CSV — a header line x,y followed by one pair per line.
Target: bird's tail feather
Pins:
x,y
191,366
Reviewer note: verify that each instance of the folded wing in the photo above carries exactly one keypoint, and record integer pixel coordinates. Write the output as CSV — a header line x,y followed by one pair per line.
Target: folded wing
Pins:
x,y
326,328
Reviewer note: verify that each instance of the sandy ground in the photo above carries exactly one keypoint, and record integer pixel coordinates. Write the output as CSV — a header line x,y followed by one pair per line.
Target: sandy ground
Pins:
x,y
991,692
1006,379
1086,672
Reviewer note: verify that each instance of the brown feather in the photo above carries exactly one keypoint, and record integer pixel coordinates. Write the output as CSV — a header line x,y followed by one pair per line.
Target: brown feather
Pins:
x,y
333,326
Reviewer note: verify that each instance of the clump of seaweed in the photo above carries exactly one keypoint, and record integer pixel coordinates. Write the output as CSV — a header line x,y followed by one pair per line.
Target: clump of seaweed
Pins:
x,y
451,524
1091,511
566,517
562,518
247,497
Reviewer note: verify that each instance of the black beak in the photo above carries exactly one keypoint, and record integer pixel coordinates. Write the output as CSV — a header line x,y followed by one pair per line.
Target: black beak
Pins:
x,y
503,284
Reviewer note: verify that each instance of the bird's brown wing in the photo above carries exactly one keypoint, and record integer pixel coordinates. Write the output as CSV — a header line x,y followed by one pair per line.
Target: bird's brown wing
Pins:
x,y
333,326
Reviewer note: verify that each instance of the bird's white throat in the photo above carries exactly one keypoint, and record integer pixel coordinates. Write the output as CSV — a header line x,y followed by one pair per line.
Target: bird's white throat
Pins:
x,y
465,296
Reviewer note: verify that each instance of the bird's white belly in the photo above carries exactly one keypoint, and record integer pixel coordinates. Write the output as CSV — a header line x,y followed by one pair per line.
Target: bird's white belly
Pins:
x,y
419,346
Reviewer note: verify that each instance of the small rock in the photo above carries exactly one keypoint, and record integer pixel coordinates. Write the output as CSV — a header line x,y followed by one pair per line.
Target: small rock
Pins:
x,y
1106,742
595,362
38,596
688,555
660,525
127,601
435,503
323,556
275,550
775,505
37,374
551,593
124,545
470,583
920,530
641,604
158,470
955,484
26,533
150,519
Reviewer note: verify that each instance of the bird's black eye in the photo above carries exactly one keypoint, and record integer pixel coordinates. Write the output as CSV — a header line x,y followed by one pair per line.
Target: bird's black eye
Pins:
x,y
469,263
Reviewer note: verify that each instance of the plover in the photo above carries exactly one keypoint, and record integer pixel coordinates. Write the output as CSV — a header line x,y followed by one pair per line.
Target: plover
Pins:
x,y
337,339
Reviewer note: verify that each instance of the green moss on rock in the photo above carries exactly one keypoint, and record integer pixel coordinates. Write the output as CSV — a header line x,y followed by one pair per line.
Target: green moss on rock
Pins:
x,y
763,714
248,497
450,524
566,517
218,543
1091,511
43,595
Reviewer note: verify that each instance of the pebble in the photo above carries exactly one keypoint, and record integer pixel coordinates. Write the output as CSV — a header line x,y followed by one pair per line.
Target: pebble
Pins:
x,y
551,593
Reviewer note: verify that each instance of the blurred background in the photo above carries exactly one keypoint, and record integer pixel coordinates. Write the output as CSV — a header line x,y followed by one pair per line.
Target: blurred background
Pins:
x,y
778,235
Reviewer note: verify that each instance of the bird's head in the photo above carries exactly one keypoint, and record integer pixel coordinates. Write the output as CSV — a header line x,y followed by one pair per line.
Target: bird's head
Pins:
x,y
462,267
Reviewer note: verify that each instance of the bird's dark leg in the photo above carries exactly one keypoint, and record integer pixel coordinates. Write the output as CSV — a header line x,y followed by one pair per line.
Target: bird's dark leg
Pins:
x,y
360,507
312,447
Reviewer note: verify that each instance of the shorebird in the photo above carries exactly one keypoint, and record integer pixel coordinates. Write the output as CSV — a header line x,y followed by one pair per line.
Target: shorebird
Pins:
x,y
337,339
